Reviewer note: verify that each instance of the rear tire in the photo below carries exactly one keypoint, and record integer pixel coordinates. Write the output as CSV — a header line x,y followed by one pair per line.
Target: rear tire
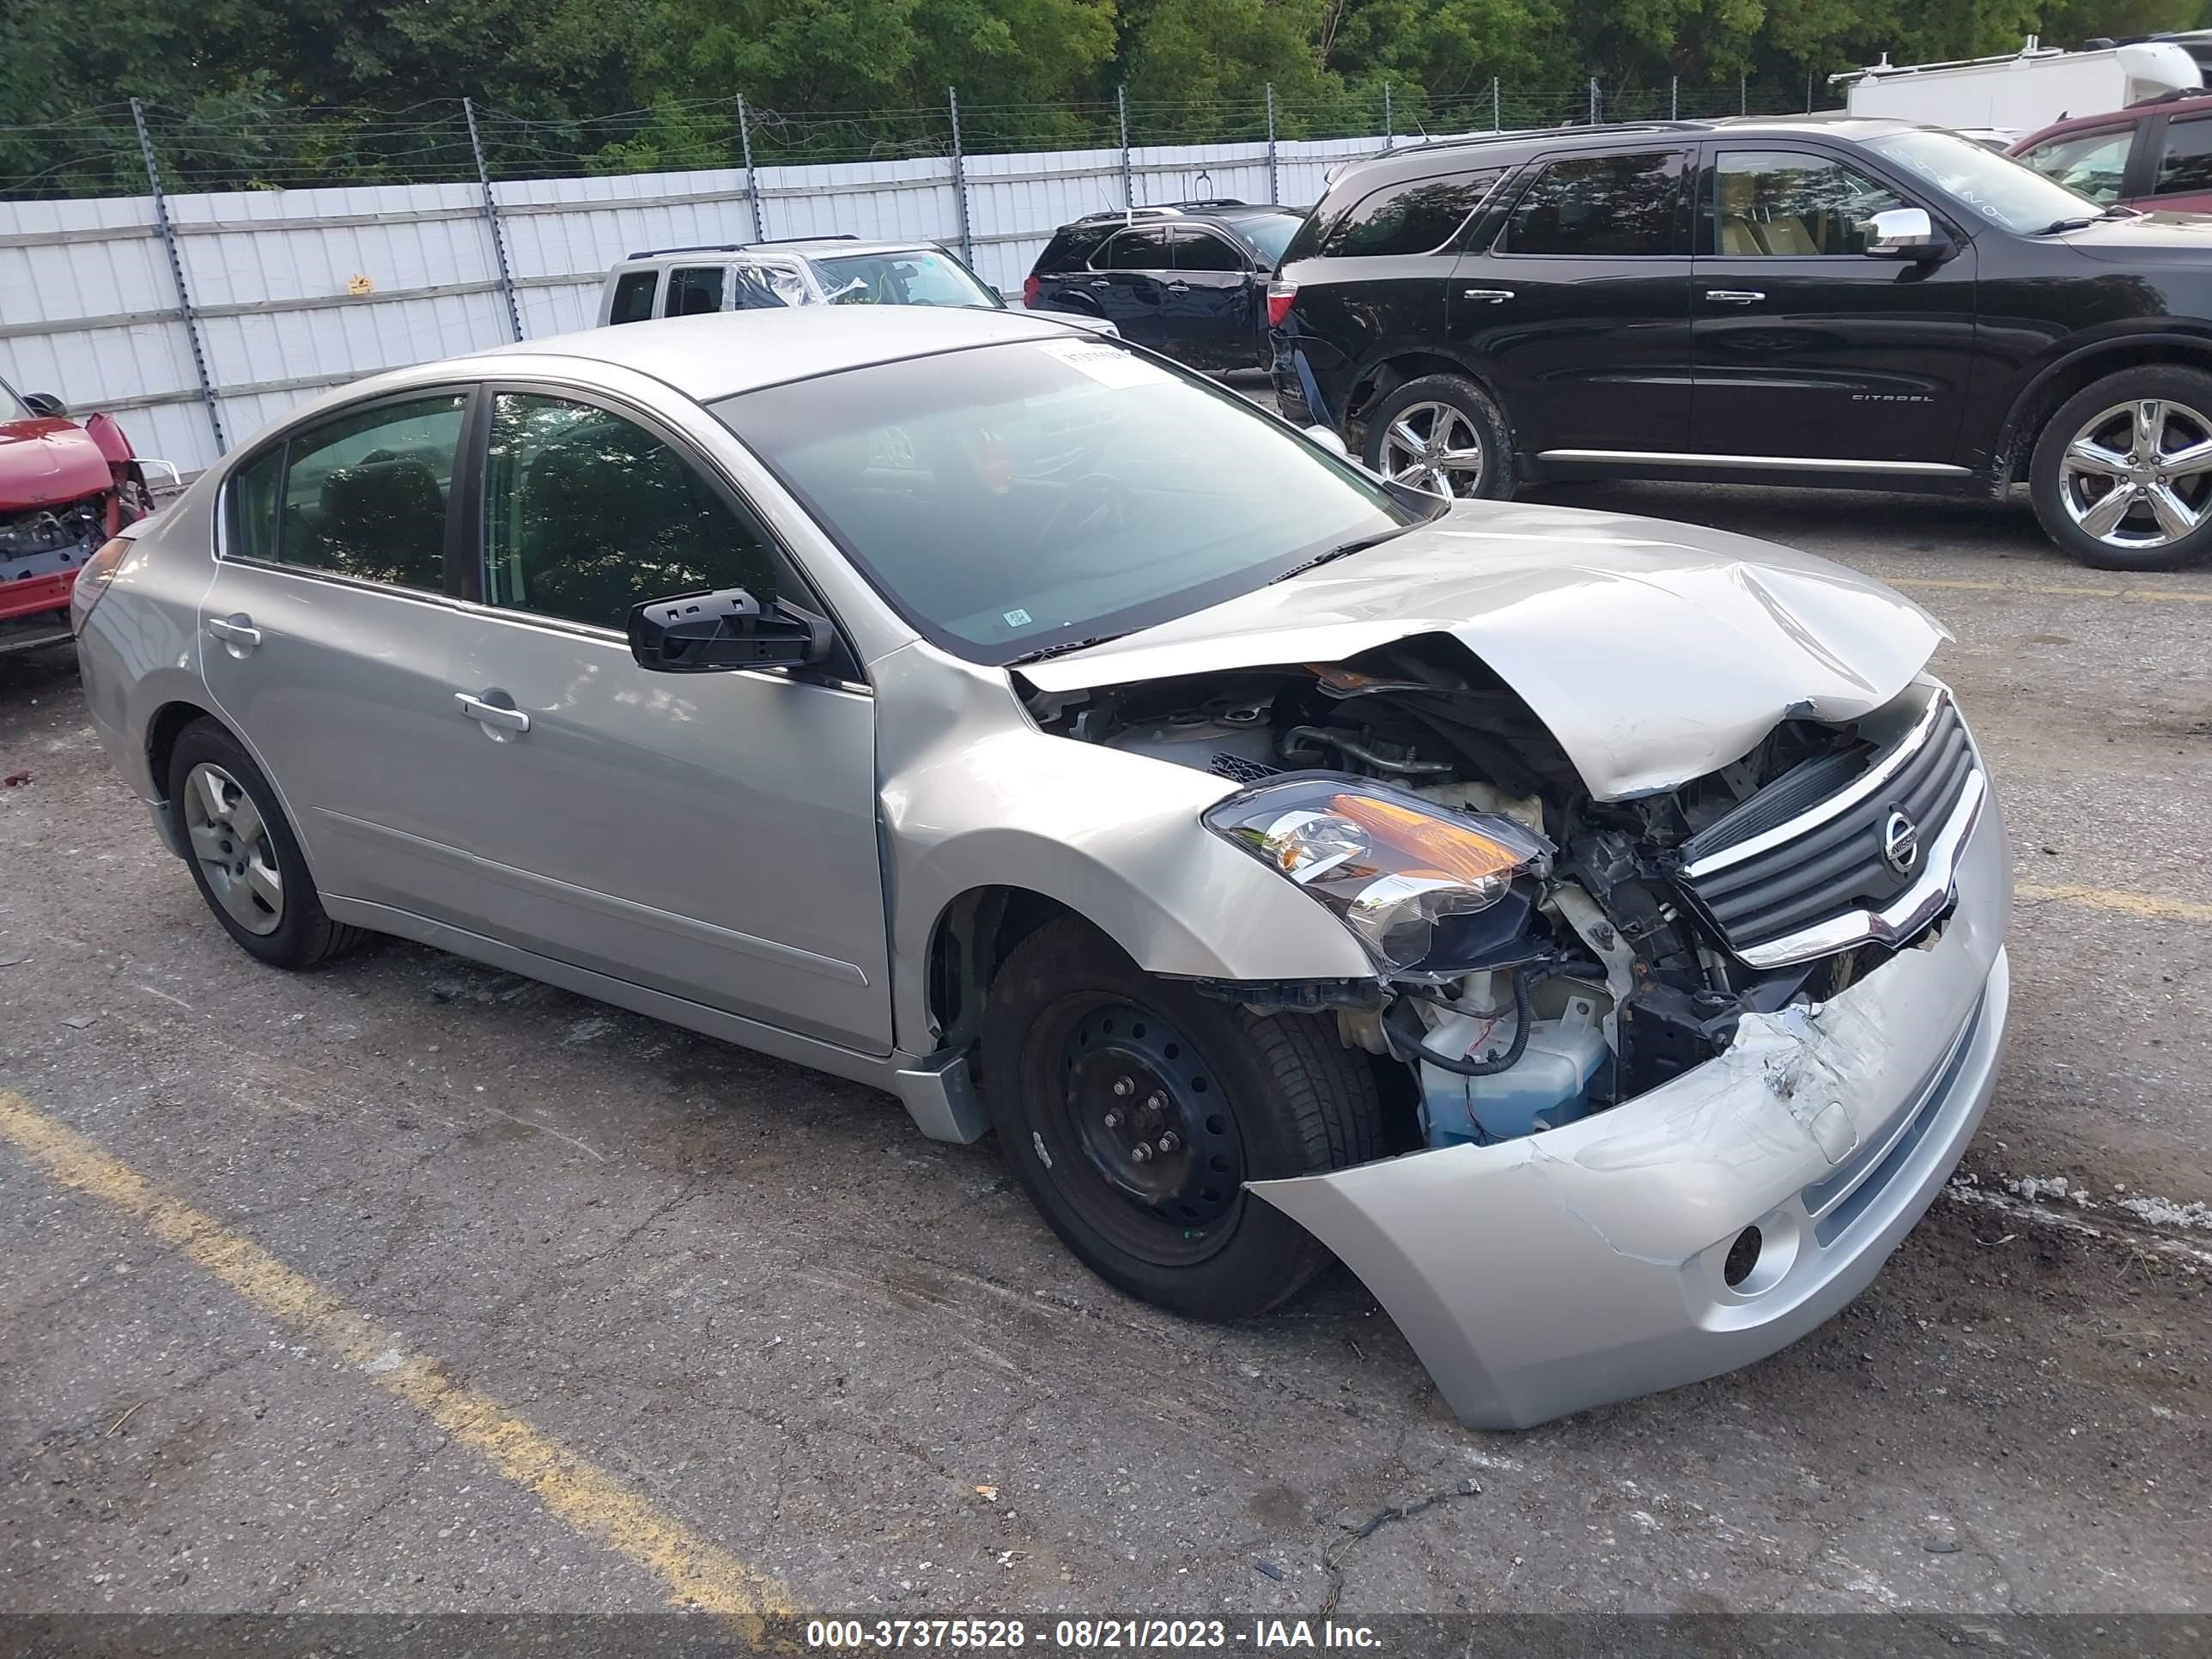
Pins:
x,y
244,858
1069,1022
1444,433
2100,477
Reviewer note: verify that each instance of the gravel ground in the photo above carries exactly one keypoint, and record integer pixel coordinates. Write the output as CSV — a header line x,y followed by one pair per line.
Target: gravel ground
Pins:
x,y
777,1341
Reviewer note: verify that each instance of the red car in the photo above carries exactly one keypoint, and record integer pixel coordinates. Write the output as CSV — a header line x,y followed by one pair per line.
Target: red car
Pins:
x,y
64,489
2157,155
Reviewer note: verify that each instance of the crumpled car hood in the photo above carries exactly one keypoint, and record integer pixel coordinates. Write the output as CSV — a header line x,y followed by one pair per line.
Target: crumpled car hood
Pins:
x,y
1655,653
46,460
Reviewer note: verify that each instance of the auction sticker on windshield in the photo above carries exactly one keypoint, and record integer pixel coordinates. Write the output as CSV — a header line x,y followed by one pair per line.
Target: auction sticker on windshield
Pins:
x,y
1107,365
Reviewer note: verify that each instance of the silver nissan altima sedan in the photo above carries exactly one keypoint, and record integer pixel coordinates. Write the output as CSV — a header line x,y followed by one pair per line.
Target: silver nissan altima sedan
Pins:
x,y
1589,929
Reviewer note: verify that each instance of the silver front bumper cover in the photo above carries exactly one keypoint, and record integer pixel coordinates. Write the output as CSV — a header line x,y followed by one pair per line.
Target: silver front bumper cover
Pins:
x,y
1567,1269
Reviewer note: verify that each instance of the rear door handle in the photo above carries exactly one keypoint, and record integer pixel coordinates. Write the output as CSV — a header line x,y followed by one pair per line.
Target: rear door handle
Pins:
x,y
1100,282
495,720
1496,296
1178,288
1734,297
238,633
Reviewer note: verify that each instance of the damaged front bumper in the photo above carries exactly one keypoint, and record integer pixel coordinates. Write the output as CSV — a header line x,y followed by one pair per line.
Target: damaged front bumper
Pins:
x,y
1592,1262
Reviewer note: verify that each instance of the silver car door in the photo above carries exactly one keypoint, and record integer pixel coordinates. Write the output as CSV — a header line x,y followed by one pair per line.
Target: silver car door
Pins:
x,y
708,836
326,640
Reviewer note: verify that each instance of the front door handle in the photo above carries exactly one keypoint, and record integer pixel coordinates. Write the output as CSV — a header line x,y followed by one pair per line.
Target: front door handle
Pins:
x,y
1496,296
1734,297
497,721
237,632
1101,282
1178,288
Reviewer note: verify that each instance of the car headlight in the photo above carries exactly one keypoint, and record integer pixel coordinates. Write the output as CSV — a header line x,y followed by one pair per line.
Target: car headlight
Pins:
x,y
1397,869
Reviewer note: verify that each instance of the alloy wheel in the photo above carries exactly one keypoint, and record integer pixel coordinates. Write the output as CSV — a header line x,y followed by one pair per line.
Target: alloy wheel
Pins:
x,y
230,842
1434,446
2139,475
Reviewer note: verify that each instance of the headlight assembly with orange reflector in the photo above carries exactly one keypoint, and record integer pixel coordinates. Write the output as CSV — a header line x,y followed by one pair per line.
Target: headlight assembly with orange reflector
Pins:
x,y
1405,875
92,577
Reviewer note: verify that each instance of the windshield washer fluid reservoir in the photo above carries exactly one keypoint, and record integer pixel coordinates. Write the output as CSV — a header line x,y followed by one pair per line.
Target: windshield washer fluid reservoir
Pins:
x,y
1549,1086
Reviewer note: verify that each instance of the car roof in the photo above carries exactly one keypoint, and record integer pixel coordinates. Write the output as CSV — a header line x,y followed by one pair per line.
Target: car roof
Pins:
x,y
721,353
804,246
2114,120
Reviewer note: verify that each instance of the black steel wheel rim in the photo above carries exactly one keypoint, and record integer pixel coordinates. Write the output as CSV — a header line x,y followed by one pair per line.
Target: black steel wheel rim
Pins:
x,y
1152,1155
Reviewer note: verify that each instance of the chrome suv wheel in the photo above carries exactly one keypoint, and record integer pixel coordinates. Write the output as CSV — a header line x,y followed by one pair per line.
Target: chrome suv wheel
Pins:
x,y
2139,474
2122,475
1442,433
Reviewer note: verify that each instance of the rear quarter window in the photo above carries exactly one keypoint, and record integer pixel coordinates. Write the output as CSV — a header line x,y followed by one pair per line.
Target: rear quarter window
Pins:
x,y
634,292
1071,247
1414,216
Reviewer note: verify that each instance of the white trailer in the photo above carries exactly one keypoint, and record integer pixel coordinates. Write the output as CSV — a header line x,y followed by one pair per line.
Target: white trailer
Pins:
x,y
2025,90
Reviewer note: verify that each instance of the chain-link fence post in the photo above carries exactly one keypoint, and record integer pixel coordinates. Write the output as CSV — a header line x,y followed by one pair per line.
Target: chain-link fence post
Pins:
x,y
752,183
959,176
1386,115
177,274
1593,101
1128,176
1495,123
1674,97
1743,95
491,221
1273,193
1809,92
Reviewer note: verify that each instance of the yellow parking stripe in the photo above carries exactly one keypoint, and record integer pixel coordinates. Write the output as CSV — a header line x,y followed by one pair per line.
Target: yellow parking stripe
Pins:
x,y
2111,898
2057,590
582,1495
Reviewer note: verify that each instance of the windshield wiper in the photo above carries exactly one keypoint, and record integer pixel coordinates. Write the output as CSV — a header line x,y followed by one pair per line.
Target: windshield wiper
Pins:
x,y
2057,225
1060,648
1357,544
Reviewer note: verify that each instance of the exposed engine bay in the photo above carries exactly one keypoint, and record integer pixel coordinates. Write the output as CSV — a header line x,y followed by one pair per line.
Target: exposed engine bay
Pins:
x,y
44,540
1590,970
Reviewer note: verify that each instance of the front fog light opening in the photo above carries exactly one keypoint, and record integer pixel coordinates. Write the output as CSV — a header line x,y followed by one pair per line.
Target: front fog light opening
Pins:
x,y
1742,1258
1755,1258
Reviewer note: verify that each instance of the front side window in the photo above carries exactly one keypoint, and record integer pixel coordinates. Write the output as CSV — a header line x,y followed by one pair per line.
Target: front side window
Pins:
x,y
2184,163
1415,215
1787,204
634,292
1016,497
1144,248
1201,250
1598,207
2091,163
362,495
694,291
920,278
587,514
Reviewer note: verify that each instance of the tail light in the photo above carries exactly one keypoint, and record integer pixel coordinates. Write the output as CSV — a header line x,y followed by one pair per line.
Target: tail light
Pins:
x,y
92,578
1280,296
1029,292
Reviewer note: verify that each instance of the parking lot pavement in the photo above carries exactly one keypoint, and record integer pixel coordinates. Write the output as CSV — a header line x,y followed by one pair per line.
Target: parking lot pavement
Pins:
x,y
407,1284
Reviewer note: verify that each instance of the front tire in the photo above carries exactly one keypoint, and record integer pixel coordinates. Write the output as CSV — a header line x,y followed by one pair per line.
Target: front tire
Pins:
x,y
1086,1057
1443,434
2122,475
244,859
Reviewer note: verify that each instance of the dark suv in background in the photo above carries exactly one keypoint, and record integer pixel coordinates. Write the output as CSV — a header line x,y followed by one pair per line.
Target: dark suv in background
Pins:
x,y
1819,301
1188,278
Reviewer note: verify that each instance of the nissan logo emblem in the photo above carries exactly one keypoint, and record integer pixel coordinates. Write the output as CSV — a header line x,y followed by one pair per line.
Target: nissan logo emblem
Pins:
x,y
1900,843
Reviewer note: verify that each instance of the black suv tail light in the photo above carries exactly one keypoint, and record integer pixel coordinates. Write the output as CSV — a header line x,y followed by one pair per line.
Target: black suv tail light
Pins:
x,y
1029,292
1280,296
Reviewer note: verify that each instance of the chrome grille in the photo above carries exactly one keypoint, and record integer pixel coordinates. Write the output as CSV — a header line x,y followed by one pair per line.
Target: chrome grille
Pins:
x,y
1818,880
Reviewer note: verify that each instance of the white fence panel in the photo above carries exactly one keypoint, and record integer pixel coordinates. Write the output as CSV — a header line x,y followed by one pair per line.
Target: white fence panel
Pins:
x,y
297,291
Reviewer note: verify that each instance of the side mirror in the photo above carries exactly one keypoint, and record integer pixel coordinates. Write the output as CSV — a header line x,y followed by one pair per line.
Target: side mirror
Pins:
x,y
1903,234
45,404
1327,437
708,632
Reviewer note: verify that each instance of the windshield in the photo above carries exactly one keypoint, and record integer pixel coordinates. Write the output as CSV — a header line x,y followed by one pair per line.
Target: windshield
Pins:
x,y
1271,234
1016,497
920,278
1996,186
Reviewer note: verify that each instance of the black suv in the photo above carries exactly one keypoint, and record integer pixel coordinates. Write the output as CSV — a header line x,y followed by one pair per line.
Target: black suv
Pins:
x,y
1823,300
1187,278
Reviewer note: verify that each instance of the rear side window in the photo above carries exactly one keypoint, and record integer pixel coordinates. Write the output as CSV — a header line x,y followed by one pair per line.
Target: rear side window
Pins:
x,y
1415,215
1071,247
2186,163
694,291
1140,249
1598,206
362,495
634,291
1201,250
